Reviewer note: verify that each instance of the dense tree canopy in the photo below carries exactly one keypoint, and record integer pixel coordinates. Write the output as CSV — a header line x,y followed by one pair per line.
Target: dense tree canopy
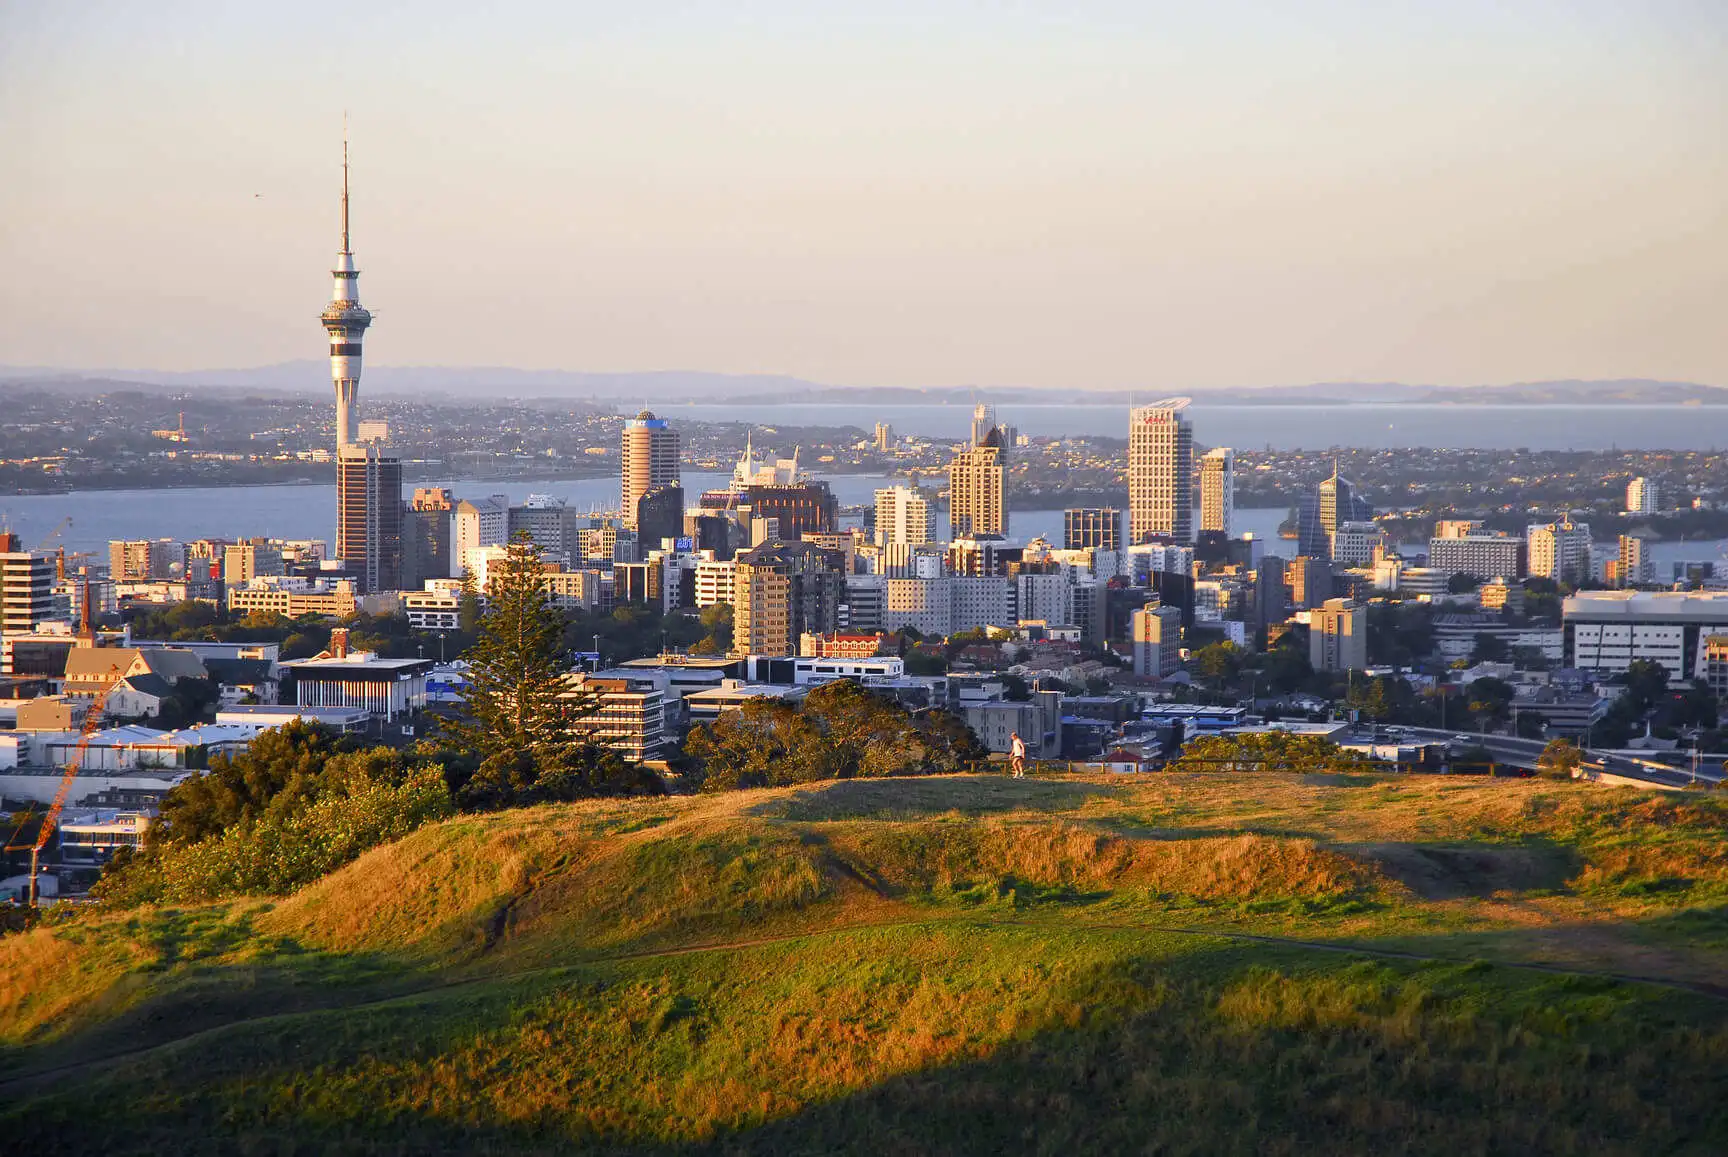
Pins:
x,y
840,730
1268,751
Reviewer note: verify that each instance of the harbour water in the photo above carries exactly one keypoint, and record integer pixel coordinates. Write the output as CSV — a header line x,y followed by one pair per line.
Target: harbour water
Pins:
x,y
1292,427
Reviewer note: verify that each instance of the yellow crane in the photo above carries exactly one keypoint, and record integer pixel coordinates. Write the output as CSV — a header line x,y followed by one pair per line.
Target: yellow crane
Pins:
x,y
92,722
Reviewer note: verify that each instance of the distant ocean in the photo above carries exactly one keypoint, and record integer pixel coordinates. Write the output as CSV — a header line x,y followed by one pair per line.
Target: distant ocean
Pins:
x,y
1293,427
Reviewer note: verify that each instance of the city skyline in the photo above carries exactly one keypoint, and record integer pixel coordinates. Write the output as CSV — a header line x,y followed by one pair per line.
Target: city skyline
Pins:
x,y
953,199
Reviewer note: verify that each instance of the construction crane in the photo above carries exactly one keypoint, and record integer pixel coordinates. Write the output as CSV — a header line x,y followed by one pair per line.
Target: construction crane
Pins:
x,y
54,534
92,723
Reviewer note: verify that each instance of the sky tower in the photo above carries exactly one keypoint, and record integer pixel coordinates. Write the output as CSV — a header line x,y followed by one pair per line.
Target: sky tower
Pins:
x,y
368,475
346,321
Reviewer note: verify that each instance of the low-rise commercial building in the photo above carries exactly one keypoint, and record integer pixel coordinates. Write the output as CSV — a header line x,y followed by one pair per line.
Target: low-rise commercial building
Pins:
x,y
1606,631
386,688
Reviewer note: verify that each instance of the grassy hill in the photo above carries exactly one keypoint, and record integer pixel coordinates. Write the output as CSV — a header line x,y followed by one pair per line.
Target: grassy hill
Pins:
x,y
1199,964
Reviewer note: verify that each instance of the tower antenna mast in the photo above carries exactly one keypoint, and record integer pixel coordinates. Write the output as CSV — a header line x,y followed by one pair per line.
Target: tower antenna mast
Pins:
x,y
345,247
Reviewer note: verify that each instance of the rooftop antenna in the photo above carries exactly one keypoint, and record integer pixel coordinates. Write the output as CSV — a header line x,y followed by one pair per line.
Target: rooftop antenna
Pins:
x,y
345,248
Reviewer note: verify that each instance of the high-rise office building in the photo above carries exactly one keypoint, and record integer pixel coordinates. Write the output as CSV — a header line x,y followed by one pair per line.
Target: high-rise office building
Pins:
x,y
369,515
1160,472
1092,528
983,421
428,530
902,517
650,459
1218,491
1338,636
1641,496
1338,503
884,437
975,490
368,476
26,586
659,516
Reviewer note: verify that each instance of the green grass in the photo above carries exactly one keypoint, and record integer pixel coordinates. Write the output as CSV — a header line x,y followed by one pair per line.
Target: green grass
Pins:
x,y
1199,965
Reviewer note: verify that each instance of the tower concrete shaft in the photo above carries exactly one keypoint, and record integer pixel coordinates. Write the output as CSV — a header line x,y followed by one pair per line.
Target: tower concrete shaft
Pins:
x,y
346,322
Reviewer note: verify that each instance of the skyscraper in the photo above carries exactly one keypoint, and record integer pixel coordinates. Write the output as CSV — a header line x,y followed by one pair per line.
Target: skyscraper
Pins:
x,y
650,460
368,476
975,490
902,517
369,515
1338,503
1160,472
983,421
1218,491
428,526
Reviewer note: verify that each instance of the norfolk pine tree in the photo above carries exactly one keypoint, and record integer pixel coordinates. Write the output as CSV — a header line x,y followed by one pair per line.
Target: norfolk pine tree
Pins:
x,y
520,705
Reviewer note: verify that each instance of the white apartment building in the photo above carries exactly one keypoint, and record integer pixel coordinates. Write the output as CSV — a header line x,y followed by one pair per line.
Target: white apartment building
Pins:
x,y
432,610
1144,560
1560,550
902,517
478,522
715,580
981,601
1484,556
1045,597
1641,497
924,604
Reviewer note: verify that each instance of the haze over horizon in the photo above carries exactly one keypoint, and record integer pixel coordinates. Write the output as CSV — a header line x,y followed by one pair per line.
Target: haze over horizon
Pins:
x,y
1119,196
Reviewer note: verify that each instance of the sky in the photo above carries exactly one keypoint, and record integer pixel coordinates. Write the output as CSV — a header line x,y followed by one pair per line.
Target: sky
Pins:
x,y
1095,195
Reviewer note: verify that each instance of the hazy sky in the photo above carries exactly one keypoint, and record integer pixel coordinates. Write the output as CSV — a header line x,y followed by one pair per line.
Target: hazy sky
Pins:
x,y
1127,194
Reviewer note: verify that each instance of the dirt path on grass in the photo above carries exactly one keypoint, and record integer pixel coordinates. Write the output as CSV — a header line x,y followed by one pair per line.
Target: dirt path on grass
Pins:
x,y
25,1081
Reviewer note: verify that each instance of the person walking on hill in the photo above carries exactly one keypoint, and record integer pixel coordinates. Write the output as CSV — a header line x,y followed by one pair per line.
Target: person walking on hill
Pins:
x,y
1017,756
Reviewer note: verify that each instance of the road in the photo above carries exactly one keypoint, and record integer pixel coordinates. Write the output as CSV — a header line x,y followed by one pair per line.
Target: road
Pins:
x,y
1525,752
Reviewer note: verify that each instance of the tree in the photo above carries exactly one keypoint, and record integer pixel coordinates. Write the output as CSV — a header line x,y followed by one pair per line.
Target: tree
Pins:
x,y
716,620
1489,649
278,771
765,743
521,710
839,731
468,608
1491,699
1462,583
1219,663
1279,751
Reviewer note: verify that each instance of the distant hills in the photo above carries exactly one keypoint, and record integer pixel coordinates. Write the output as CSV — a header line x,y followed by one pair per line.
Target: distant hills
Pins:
x,y
669,386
